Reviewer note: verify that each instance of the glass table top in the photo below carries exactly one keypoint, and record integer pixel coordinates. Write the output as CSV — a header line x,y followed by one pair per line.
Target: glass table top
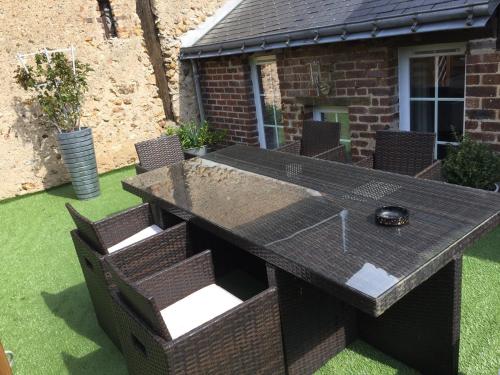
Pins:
x,y
320,215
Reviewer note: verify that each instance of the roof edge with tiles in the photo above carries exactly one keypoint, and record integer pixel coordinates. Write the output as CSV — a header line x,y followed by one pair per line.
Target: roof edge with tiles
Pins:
x,y
457,18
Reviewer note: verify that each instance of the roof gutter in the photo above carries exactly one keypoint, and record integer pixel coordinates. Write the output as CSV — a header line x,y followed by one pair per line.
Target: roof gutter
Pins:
x,y
449,19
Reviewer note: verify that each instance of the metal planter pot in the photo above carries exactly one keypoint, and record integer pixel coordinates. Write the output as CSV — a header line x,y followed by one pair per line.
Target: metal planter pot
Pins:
x,y
77,149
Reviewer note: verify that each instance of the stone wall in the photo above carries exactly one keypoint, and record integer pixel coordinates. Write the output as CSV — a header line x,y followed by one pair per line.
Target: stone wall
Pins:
x,y
122,106
172,19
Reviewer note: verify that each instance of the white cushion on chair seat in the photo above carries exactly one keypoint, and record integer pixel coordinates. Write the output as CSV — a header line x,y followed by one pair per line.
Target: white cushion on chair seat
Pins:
x,y
197,308
143,234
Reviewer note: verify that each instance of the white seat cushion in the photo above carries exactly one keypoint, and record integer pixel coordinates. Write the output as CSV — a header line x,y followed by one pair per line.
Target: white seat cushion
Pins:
x,y
197,308
143,234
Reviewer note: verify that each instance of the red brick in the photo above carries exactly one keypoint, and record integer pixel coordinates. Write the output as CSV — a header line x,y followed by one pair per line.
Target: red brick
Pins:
x,y
491,57
482,68
481,91
357,143
471,125
480,114
474,59
473,79
491,103
368,119
482,137
355,74
344,66
358,110
472,103
491,79
362,127
490,126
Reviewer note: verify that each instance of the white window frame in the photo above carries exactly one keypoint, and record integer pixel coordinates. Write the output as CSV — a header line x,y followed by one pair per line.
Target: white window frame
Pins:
x,y
317,111
254,62
404,55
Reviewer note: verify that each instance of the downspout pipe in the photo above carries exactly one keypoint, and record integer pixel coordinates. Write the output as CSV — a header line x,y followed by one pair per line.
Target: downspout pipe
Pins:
x,y
197,87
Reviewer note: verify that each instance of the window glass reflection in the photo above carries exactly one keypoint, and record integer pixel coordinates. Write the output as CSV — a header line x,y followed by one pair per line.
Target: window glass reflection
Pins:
x,y
422,77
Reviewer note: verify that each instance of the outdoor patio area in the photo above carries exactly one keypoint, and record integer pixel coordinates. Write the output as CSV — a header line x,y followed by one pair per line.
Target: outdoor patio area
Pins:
x,y
250,187
48,321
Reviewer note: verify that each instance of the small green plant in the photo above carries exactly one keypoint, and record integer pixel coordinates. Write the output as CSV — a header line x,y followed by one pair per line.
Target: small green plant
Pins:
x,y
194,135
57,87
472,164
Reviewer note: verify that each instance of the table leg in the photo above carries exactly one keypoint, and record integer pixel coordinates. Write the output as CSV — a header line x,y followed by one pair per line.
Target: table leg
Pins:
x,y
423,329
315,325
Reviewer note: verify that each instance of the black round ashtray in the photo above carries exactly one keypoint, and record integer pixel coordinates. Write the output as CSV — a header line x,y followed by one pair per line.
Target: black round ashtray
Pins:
x,y
392,216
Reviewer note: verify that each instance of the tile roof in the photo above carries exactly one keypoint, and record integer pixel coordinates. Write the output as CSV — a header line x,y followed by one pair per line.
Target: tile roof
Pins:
x,y
257,22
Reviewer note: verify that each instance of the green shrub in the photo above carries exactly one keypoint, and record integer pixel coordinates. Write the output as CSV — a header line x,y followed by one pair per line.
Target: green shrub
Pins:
x,y
472,164
194,135
58,89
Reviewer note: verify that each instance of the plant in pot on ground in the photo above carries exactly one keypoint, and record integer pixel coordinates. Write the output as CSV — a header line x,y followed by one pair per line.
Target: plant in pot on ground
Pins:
x,y
472,164
59,84
197,138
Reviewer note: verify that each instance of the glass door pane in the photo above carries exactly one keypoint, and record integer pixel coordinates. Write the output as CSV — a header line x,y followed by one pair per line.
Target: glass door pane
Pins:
x,y
437,88
270,103
450,121
422,77
422,116
451,76
422,94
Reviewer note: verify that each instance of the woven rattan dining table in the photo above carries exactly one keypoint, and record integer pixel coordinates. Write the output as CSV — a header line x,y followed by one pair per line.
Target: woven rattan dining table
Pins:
x,y
340,275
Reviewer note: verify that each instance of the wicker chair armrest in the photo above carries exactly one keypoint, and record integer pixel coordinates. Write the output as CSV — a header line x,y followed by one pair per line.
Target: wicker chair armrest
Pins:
x,y
432,172
172,284
334,154
365,162
290,148
90,260
139,169
251,330
152,254
122,225
144,351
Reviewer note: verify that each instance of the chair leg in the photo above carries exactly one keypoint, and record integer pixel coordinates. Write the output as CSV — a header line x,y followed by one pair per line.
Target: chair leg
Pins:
x,y
315,326
423,329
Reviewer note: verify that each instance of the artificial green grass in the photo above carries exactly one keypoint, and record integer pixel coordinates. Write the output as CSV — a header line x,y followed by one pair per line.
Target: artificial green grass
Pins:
x,y
46,316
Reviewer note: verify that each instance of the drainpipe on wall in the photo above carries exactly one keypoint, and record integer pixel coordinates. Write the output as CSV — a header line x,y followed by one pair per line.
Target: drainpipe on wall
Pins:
x,y
197,86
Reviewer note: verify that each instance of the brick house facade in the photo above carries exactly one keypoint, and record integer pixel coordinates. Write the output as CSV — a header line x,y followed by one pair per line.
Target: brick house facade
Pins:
x,y
363,77
482,115
228,98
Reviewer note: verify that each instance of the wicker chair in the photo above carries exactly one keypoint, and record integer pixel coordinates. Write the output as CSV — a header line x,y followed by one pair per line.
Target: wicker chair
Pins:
x,y
179,321
320,140
158,152
92,241
409,153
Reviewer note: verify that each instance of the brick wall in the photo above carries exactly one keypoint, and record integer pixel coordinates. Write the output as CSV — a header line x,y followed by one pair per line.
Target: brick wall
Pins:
x,y
482,116
362,77
228,98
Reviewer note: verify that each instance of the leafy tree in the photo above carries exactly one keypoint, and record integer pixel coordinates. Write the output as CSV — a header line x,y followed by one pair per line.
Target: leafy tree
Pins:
x,y
58,89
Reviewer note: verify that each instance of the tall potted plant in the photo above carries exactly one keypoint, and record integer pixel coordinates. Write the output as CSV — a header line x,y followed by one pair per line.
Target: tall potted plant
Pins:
x,y
58,84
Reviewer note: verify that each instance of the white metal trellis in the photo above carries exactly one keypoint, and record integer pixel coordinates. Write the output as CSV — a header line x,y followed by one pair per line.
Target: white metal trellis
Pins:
x,y
71,51
23,57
